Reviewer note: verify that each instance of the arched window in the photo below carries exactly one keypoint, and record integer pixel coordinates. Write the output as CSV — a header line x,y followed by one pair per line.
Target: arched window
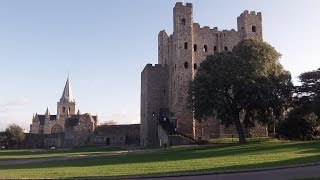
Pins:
x,y
183,21
254,28
69,109
195,47
185,45
63,109
205,48
226,48
195,66
186,65
215,48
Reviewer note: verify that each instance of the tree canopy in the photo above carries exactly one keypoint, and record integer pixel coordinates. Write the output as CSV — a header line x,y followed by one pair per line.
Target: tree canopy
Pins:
x,y
13,135
303,121
248,81
308,93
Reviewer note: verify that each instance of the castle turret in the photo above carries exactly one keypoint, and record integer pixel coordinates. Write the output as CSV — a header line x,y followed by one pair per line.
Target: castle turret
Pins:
x,y
66,105
250,25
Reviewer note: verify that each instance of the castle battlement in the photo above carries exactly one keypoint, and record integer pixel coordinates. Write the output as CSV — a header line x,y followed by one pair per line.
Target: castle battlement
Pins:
x,y
165,85
180,4
252,13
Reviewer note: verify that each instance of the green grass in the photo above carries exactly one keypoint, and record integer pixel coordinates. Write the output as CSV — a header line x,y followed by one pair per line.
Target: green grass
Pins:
x,y
45,153
235,140
176,160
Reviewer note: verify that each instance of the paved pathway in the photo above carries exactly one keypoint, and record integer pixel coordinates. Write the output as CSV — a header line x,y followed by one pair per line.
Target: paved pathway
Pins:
x,y
277,174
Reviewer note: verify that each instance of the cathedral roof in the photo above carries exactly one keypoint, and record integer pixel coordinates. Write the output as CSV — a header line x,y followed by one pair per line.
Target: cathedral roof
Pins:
x,y
43,117
67,93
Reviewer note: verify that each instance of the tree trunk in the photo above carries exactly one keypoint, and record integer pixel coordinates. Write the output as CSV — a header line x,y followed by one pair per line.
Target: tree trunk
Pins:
x,y
242,138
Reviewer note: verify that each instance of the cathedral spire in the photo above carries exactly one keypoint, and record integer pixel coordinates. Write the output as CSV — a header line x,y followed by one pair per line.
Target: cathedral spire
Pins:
x,y
67,93
47,111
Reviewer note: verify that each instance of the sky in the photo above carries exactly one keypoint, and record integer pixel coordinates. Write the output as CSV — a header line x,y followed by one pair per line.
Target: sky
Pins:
x,y
105,44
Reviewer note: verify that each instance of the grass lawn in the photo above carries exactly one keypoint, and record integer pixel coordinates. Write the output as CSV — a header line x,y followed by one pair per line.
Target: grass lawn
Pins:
x,y
42,153
176,160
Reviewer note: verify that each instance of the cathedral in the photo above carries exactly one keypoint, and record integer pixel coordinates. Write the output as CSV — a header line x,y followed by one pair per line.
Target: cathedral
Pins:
x,y
75,127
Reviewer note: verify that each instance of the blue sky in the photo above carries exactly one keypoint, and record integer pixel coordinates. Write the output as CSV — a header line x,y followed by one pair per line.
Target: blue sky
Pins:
x,y
104,45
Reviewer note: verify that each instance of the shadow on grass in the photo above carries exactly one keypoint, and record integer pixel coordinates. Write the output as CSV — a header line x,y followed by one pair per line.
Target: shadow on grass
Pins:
x,y
16,154
186,154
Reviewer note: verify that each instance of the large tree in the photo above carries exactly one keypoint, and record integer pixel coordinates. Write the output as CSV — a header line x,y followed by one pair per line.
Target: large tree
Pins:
x,y
308,93
12,136
248,82
303,121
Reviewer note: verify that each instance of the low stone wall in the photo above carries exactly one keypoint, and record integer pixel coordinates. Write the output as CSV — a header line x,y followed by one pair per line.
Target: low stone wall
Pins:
x,y
117,135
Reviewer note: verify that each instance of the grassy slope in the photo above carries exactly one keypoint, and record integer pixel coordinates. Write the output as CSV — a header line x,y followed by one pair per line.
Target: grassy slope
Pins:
x,y
24,154
225,157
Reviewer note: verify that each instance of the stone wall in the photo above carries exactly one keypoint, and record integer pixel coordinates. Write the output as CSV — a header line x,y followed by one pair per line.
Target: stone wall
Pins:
x,y
182,54
117,135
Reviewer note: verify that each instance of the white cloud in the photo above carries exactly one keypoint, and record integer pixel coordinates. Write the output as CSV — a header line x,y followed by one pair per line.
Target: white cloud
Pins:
x,y
13,105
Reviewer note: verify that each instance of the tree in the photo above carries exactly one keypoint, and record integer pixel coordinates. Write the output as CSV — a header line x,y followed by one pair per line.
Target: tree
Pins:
x,y
303,121
109,123
308,93
248,82
301,124
14,135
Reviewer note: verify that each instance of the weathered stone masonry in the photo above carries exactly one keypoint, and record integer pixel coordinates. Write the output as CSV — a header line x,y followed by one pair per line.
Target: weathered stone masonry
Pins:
x,y
179,56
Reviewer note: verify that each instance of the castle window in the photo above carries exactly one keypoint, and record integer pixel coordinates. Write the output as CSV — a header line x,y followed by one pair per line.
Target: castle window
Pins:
x,y
69,109
64,110
186,65
254,28
195,47
205,48
215,48
183,21
226,48
185,45
195,66
153,114
164,91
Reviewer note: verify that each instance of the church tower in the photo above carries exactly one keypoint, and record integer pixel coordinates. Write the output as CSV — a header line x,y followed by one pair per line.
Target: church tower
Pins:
x,y
66,105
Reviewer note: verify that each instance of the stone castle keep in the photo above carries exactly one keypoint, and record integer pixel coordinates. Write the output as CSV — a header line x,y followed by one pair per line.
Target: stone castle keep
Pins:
x,y
164,87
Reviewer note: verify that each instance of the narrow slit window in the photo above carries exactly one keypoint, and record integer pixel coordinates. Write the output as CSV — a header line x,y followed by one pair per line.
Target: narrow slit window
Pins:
x,y
195,66
215,48
254,29
186,65
195,47
185,45
183,21
205,48
226,48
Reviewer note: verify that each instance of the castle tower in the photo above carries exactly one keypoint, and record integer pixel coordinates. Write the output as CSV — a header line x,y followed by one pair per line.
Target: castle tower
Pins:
x,y
250,25
180,55
182,63
66,105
